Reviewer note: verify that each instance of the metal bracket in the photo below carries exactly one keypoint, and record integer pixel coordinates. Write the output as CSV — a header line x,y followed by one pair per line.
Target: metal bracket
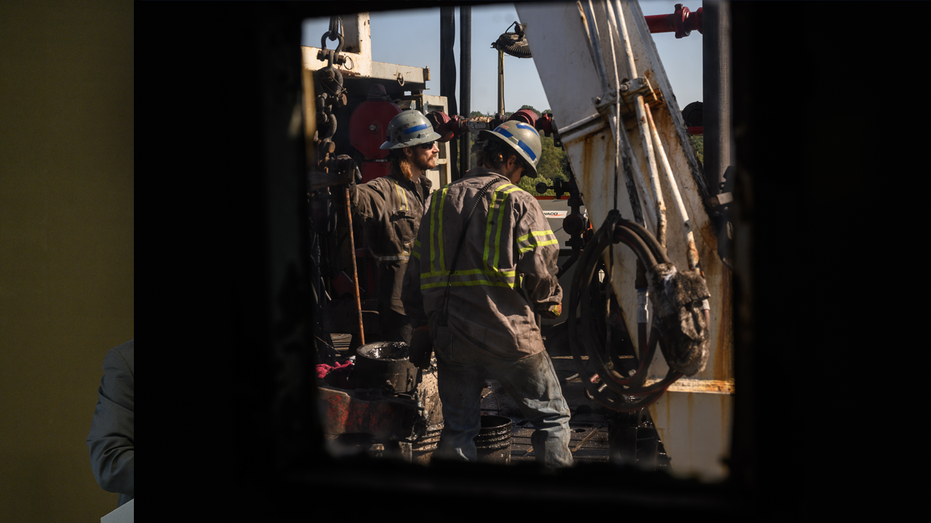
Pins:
x,y
627,92
606,102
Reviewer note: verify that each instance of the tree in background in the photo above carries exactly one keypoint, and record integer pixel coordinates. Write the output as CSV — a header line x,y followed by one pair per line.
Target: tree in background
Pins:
x,y
698,143
553,162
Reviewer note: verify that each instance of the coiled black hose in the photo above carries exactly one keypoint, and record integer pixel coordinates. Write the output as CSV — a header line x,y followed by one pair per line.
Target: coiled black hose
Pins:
x,y
624,393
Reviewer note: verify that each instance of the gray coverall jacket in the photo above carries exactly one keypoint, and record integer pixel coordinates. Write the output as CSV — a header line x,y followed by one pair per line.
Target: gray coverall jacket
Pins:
x,y
391,208
508,245
111,438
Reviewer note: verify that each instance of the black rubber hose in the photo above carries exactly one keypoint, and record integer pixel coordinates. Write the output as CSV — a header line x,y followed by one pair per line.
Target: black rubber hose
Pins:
x,y
648,250
626,233
658,251
514,45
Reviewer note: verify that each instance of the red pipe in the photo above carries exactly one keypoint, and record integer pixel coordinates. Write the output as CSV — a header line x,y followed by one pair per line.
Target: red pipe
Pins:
x,y
682,22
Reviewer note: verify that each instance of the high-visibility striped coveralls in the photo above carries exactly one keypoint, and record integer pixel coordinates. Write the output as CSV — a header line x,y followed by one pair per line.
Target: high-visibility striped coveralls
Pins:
x,y
391,208
508,257
508,244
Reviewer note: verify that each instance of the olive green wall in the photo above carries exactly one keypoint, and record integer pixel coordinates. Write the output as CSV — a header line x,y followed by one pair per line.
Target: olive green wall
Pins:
x,y
66,244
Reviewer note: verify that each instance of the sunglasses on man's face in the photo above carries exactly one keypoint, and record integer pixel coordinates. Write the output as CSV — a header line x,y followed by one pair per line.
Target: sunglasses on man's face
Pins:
x,y
427,145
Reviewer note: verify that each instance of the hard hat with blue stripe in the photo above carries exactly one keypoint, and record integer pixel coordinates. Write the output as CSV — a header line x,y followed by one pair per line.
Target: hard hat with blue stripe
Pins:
x,y
523,138
409,128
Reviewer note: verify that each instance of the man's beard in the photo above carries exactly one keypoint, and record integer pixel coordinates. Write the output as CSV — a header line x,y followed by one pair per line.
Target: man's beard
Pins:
x,y
423,164
405,166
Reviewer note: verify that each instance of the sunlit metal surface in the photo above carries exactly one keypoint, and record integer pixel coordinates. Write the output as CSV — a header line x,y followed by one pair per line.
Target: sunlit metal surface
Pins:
x,y
694,416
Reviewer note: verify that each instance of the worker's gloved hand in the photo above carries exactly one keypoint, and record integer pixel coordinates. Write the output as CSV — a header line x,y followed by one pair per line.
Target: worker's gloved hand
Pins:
x,y
552,312
347,175
421,347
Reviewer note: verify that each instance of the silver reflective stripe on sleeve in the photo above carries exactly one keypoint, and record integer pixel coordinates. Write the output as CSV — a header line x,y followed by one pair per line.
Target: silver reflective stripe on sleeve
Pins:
x,y
390,258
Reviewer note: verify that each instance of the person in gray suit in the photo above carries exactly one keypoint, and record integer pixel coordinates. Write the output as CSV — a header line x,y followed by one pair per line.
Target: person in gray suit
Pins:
x,y
111,435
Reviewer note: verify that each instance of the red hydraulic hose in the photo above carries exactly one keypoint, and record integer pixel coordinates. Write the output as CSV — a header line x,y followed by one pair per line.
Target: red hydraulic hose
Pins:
x,y
682,22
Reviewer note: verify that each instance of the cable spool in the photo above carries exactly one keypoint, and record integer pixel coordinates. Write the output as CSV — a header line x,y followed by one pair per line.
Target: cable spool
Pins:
x,y
618,392
514,44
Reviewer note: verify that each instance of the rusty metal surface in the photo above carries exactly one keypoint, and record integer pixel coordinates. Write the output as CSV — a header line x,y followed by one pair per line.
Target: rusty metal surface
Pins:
x,y
694,415
695,428
346,412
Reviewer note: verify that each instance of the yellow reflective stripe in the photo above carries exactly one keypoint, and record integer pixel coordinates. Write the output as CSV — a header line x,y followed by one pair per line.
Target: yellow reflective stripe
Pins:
x,y
402,196
496,203
464,278
485,283
436,222
535,234
439,237
470,272
500,224
541,244
488,221
530,240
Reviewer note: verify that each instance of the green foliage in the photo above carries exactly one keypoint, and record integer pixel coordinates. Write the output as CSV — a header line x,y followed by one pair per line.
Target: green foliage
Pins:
x,y
530,185
698,143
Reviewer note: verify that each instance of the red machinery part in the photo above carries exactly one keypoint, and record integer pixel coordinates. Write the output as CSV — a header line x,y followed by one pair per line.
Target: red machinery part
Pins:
x,y
344,411
368,127
446,127
545,124
682,22
525,115
450,127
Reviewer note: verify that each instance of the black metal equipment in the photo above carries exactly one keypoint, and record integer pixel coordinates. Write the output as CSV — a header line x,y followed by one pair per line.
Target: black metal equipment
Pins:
x,y
616,368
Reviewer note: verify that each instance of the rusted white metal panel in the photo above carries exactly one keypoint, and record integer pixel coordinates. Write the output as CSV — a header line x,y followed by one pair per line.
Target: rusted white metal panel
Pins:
x,y
568,69
695,428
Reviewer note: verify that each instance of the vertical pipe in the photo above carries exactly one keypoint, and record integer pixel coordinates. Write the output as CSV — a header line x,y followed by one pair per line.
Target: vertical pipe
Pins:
x,y
448,78
716,52
587,14
465,84
617,17
500,82
355,272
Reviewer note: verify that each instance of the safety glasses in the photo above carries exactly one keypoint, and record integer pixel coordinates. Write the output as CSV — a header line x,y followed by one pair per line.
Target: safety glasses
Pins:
x,y
428,145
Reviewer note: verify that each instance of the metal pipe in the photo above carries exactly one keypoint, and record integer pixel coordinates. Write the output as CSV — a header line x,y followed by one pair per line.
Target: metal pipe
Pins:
x,y
500,82
594,44
616,16
590,25
355,271
635,188
682,22
448,77
683,212
465,86
716,93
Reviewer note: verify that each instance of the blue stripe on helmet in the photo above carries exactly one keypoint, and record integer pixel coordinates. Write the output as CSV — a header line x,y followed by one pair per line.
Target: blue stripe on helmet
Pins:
x,y
520,144
417,128
521,125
